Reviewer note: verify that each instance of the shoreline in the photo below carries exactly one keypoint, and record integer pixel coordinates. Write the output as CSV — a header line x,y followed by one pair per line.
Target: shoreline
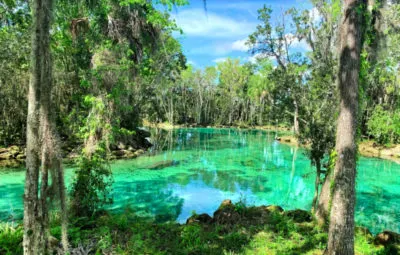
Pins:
x,y
366,148
16,154
265,229
126,147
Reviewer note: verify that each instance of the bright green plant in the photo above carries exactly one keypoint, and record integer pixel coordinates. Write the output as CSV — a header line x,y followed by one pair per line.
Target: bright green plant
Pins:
x,y
384,126
10,239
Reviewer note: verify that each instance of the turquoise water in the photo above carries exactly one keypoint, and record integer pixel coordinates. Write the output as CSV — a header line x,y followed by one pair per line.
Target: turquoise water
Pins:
x,y
210,165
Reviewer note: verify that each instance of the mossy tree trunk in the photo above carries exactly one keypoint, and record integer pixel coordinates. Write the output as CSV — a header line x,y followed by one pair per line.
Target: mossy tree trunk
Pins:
x,y
341,228
42,148
317,183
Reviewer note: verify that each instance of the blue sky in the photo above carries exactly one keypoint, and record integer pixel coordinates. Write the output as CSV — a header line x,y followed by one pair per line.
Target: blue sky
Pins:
x,y
221,31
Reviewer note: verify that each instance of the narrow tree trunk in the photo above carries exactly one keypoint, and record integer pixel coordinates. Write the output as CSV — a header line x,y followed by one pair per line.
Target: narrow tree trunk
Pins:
x,y
322,210
260,120
296,118
316,185
42,147
34,233
341,228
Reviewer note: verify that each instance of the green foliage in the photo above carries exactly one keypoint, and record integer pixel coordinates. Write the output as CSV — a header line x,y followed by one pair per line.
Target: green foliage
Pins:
x,y
14,67
92,186
125,233
10,239
384,126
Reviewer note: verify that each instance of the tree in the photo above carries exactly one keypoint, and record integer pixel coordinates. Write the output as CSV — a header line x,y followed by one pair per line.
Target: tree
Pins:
x,y
318,102
42,142
233,79
341,228
275,42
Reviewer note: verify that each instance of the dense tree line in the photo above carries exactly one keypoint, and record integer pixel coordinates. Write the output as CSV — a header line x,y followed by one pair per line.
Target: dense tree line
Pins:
x,y
107,61
98,68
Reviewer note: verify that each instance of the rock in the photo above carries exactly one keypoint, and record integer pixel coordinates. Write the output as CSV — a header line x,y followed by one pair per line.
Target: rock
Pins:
x,y
139,152
226,213
259,214
113,147
226,202
14,150
163,164
129,154
119,153
6,156
142,132
130,148
11,163
201,218
387,238
299,216
21,156
121,146
10,152
274,208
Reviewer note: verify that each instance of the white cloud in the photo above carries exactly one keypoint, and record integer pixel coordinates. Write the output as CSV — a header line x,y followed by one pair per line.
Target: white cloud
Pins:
x,y
222,47
196,22
219,60
240,45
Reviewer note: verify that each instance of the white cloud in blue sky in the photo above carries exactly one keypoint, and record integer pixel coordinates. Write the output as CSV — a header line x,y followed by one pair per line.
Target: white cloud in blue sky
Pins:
x,y
197,23
221,31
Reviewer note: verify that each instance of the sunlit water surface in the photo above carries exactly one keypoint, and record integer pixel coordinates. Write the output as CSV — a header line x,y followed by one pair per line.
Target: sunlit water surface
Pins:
x,y
211,165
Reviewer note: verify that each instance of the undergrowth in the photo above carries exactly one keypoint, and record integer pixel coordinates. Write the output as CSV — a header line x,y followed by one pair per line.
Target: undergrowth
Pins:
x,y
125,233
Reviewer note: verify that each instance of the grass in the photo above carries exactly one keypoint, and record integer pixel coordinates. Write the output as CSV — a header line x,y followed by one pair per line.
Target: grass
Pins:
x,y
246,230
10,239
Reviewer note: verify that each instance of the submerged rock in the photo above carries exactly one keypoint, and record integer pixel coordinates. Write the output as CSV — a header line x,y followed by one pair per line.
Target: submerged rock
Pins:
x,y
249,162
201,218
163,164
299,216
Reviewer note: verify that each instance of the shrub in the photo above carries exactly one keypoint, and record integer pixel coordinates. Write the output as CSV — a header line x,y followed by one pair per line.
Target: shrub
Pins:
x,y
10,239
384,126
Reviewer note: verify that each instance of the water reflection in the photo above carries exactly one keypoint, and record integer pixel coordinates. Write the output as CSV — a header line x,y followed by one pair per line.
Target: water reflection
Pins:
x,y
195,169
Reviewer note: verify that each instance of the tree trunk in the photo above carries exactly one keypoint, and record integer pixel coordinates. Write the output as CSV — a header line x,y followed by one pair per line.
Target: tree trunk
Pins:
x,y
341,228
322,210
42,147
296,118
33,223
316,186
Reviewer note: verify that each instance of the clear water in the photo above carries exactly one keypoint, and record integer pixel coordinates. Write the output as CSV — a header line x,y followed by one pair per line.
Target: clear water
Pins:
x,y
211,165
